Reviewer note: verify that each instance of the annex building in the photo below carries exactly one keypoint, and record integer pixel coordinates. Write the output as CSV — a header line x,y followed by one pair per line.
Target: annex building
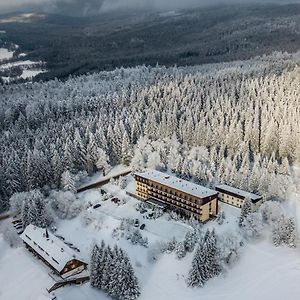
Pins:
x,y
236,197
184,197
54,252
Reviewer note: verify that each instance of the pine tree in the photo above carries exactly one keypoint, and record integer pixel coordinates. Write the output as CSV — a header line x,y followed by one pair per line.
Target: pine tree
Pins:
x,y
180,250
245,211
205,264
195,273
68,181
131,289
126,153
94,265
190,241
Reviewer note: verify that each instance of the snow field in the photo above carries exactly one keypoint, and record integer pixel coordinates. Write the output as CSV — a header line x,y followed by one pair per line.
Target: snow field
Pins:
x,y
5,54
263,271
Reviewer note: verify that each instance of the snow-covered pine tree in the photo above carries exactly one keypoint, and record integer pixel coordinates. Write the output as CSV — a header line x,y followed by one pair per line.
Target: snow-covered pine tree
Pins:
x,y
68,181
131,289
94,265
126,152
205,264
284,232
33,210
195,273
246,210
220,218
104,280
190,240
213,265
180,250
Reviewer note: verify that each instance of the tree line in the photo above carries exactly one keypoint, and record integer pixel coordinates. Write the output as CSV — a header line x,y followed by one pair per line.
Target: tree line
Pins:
x,y
212,121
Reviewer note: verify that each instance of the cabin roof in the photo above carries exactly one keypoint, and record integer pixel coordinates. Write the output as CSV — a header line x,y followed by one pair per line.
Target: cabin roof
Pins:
x,y
50,248
185,186
240,193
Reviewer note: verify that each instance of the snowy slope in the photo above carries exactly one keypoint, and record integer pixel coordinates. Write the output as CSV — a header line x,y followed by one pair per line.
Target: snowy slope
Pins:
x,y
262,273
5,54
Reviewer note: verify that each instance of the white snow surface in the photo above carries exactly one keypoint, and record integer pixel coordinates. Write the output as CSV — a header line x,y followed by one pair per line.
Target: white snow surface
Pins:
x,y
23,63
178,184
27,74
263,272
29,68
5,54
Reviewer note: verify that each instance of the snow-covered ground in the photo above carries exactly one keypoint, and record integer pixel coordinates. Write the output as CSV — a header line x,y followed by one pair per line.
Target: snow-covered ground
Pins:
x,y
5,54
263,271
21,63
30,69
28,74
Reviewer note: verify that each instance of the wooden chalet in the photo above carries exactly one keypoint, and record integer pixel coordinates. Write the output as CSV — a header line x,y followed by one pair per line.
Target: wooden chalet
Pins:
x,y
54,252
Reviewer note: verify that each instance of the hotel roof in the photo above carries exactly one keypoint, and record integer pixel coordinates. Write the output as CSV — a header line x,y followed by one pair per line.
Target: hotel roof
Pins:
x,y
187,187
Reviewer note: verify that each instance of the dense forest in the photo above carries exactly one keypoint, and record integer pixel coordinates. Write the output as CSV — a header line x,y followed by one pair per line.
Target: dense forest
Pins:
x,y
71,45
234,122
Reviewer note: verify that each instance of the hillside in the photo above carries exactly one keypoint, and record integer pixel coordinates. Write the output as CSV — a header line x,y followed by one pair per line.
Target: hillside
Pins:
x,y
71,45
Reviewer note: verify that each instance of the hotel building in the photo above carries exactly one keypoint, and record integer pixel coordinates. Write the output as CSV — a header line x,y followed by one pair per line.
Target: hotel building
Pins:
x,y
184,197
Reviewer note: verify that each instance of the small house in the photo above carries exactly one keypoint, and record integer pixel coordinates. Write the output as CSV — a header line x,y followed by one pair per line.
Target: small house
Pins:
x,y
52,251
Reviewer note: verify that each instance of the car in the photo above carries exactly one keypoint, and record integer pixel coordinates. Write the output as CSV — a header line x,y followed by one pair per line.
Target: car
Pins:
x,y
115,200
18,226
136,223
150,215
96,206
16,222
20,230
142,227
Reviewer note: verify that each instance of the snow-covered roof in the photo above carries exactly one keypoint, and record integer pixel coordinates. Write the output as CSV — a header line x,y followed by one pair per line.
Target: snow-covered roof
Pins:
x,y
238,192
50,248
178,184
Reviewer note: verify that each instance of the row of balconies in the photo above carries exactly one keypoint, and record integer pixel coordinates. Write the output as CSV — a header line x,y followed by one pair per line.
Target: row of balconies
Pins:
x,y
176,203
169,195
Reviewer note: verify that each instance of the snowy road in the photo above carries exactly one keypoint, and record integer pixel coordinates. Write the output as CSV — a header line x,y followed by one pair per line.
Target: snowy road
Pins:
x,y
104,180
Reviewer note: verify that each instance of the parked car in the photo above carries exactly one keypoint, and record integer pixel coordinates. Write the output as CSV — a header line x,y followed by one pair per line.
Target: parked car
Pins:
x,y
115,200
20,230
142,227
150,215
96,206
136,223
16,221
18,226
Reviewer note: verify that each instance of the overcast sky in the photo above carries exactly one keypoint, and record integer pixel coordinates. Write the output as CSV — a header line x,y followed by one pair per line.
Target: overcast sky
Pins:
x,y
85,6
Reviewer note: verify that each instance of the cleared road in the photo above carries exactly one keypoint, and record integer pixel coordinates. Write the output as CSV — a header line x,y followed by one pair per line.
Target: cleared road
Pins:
x,y
103,181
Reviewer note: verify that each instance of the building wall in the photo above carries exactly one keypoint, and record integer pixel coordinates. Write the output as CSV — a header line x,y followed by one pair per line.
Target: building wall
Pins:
x,y
235,201
142,189
179,201
229,199
77,269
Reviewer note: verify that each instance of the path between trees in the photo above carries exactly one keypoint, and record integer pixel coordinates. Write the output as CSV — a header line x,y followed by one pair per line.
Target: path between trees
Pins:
x,y
103,181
